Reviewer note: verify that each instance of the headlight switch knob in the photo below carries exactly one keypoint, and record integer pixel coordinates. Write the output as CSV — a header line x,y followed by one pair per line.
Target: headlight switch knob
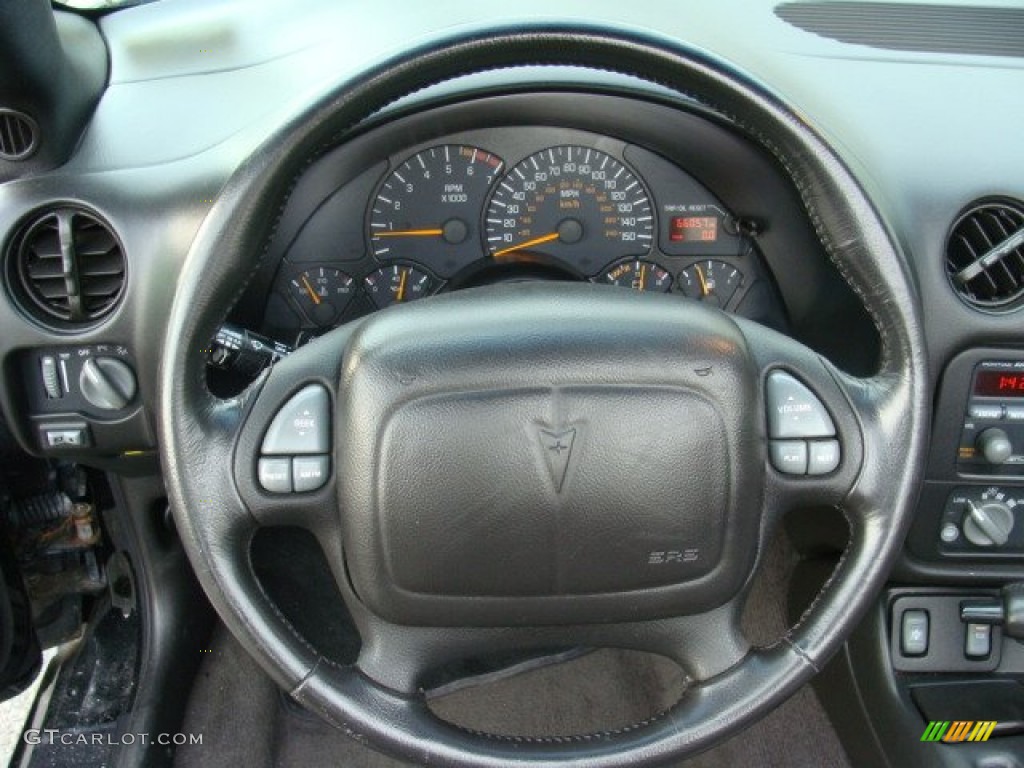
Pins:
x,y
107,383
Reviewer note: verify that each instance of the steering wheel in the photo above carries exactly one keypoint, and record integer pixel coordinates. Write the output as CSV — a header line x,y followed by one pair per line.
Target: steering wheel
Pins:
x,y
494,479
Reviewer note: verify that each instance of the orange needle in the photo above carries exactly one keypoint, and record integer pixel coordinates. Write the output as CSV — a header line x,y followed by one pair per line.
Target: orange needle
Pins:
x,y
409,233
401,285
643,276
528,244
310,291
703,282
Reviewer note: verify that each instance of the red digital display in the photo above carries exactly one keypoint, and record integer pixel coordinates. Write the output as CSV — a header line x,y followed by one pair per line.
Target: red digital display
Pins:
x,y
693,229
999,384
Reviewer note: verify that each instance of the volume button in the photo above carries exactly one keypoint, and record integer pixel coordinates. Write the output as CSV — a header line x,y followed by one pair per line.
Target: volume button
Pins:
x,y
994,445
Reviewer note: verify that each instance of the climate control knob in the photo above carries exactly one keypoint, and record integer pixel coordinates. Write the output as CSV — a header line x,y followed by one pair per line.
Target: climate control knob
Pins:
x,y
988,524
107,383
994,445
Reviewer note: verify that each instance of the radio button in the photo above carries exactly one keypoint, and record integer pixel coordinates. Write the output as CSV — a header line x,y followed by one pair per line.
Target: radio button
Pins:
x,y
994,445
988,412
275,475
1015,412
789,456
822,456
302,425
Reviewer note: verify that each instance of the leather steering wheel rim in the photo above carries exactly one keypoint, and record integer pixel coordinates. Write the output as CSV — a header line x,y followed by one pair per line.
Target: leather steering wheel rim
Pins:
x,y
198,430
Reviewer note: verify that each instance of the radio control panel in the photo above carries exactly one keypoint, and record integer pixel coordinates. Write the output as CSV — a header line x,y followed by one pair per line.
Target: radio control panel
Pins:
x,y
992,438
971,507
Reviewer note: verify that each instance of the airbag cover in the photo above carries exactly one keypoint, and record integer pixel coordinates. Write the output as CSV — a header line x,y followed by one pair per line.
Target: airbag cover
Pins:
x,y
578,487
509,457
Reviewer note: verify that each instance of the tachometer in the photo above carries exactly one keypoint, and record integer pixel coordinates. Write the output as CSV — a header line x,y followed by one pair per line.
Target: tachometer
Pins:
x,y
573,203
427,209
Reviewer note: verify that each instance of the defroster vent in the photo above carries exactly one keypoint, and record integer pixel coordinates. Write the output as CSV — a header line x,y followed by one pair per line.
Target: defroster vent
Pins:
x,y
985,255
70,267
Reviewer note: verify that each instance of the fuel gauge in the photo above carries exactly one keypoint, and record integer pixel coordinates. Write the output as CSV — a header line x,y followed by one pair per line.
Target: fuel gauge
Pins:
x,y
712,281
640,275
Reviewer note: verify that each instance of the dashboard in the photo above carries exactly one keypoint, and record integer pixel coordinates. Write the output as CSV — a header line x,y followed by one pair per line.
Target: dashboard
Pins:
x,y
524,174
536,174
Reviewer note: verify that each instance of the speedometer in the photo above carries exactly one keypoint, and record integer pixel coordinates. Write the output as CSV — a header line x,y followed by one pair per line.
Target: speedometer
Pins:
x,y
571,203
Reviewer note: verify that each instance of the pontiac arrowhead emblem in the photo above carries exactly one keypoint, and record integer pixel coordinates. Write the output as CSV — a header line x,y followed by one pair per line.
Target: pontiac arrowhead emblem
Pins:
x,y
557,449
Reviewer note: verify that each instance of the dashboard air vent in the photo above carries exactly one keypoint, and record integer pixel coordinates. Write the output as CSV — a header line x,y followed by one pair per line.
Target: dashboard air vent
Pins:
x,y
19,135
985,255
70,266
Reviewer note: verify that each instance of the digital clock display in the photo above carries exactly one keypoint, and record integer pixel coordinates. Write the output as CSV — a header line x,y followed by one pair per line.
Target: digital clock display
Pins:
x,y
693,229
999,384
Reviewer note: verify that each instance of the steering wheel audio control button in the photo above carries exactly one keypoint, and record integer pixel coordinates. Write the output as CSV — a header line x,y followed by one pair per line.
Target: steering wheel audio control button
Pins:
x,y
789,456
793,410
302,426
822,456
309,473
276,475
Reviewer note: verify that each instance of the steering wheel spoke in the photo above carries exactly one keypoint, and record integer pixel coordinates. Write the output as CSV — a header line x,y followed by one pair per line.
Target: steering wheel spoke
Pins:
x,y
285,459
399,657
814,426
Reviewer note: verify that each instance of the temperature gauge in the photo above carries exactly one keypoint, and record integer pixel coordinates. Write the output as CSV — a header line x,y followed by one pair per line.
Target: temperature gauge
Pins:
x,y
640,275
322,293
712,281
397,284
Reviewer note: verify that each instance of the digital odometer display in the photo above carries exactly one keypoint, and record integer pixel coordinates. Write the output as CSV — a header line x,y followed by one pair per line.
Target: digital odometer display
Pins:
x,y
693,229
999,384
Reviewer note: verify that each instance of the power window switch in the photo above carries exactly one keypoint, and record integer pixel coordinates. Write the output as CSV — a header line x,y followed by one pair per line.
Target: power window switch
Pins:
x,y
914,633
978,644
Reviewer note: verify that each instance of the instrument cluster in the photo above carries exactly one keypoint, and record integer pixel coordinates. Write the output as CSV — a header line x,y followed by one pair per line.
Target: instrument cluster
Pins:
x,y
511,203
